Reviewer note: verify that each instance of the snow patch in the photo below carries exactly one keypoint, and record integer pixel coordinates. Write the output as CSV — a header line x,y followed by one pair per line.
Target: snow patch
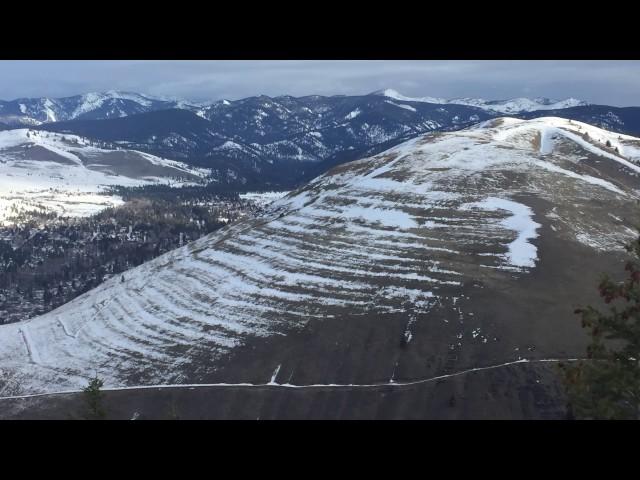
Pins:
x,y
353,114
401,105
521,253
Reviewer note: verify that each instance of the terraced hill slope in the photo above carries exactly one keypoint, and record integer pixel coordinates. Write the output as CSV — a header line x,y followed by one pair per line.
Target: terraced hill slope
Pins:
x,y
450,254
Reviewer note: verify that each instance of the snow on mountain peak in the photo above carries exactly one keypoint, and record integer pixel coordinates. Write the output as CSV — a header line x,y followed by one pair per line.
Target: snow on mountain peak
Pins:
x,y
522,104
398,96
514,105
94,100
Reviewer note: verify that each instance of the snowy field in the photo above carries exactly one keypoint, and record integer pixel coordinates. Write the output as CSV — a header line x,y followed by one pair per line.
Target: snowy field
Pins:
x,y
49,172
63,202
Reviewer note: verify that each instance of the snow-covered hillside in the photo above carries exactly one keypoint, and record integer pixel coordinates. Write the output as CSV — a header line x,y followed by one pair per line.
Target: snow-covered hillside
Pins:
x,y
514,105
65,174
448,252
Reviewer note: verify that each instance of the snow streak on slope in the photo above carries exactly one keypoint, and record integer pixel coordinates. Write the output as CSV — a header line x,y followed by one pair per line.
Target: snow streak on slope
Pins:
x,y
521,252
402,233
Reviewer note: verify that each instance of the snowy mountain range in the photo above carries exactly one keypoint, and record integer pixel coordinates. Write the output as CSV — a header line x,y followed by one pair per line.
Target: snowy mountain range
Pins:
x,y
444,269
281,142
116,104
273,141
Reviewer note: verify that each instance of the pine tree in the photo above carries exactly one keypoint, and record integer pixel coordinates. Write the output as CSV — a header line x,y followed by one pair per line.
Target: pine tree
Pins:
x,y
93,397
607,384
46,295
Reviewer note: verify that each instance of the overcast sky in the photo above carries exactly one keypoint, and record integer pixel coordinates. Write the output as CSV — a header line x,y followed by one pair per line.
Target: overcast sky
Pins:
x,y
603,82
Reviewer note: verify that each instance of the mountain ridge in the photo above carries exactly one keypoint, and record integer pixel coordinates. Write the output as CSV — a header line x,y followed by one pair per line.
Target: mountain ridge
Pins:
x,y
92,105
117,103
